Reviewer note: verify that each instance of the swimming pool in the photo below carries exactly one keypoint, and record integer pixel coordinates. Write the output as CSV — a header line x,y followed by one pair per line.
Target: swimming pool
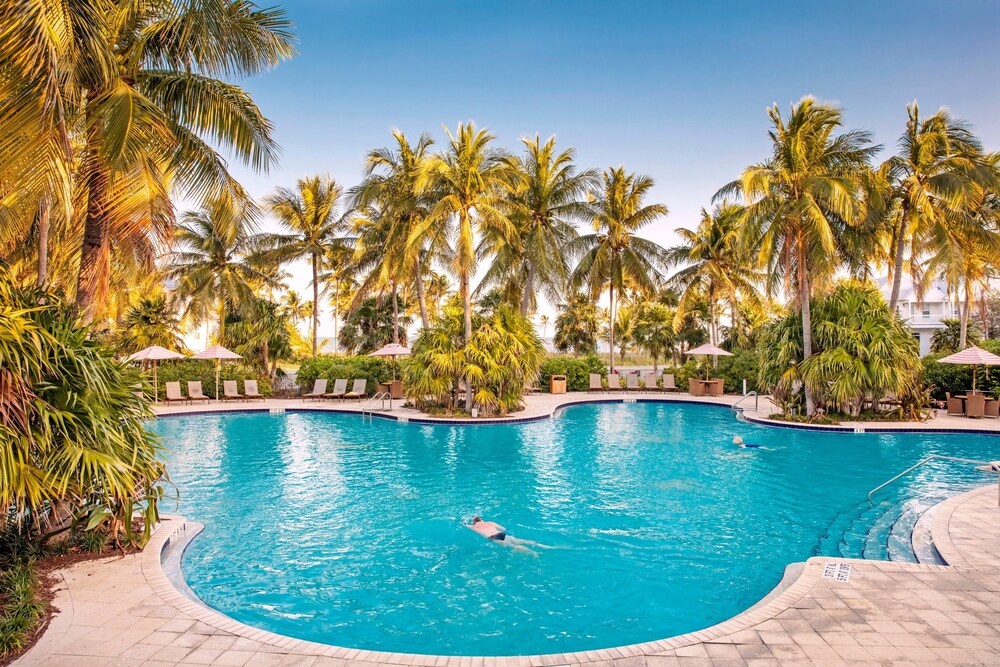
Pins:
x,y
325,527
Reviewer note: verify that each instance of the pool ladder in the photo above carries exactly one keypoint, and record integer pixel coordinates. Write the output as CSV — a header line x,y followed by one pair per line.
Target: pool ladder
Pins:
x,y
756,402
369,407
985,466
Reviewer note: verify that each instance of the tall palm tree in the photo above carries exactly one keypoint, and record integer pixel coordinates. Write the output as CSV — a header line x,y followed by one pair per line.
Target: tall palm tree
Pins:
x,y
314,215
613,255
215,258
393,185
938,170
294,308
795,200
545,193
147,81
466,182
544,320
577,325
718,268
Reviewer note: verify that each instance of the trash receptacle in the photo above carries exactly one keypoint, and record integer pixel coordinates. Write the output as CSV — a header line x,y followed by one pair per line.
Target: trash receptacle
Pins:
x,y
557,384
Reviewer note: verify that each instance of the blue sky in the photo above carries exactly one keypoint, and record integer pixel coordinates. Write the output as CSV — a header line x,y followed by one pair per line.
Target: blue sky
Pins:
x,y
678,91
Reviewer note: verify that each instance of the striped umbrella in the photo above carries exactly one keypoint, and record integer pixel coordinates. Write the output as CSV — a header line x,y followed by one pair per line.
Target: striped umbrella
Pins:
x,y
975,357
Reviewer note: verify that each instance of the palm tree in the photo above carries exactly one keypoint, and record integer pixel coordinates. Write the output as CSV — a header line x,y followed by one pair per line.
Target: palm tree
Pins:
x,y
214,259
797,197
312,213
466,182
294,308
393,185
718,266
613,256
544,320
938,169
145,79
544,194
577,325
152,321
654,330
438,287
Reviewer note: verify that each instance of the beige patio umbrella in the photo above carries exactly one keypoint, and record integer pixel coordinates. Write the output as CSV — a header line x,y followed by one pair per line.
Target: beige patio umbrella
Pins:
x,y
218,353
709,350
155,353
392,350
975,357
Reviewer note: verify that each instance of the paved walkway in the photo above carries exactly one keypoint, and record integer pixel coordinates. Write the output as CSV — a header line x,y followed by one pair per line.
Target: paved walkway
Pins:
x,y
124,611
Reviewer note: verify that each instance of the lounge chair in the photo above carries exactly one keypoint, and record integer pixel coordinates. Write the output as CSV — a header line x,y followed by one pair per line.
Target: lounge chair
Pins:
x,y
955,405
174,394
595,383
195,393
992,408
975,406
250,390
651,382
696,387
319,390
614,381
668,383
339,389
230,392
632,382
358,391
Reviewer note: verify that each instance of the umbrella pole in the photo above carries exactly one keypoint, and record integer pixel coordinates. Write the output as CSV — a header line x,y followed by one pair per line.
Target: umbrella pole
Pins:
x,y
218,367
156,394
975,369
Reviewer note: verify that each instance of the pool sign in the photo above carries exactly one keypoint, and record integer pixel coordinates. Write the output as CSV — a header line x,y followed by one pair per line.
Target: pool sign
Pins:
x,y
837,571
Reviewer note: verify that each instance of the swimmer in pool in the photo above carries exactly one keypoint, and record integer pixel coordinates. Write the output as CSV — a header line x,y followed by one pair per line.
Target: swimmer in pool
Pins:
x,y
738,441
497,533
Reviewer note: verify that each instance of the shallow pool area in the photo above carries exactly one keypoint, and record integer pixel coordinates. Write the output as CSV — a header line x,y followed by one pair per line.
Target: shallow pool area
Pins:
x,y
326,527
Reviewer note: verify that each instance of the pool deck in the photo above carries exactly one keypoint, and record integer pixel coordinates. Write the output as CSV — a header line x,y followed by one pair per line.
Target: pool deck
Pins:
x,y
124,611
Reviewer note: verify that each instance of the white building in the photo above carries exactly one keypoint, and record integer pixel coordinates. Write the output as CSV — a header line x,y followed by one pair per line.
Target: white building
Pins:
x,y
925,316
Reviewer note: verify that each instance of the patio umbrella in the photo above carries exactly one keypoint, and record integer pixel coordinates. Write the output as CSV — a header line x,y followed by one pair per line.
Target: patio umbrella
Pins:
x,y
392,350
709,350
155,353
218,353
975,357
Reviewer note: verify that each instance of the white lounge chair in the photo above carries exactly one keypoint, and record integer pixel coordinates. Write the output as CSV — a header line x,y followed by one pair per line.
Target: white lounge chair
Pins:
x,y
595,383
174,394
230,391
250,390
339,389
319,390
195,393
358,391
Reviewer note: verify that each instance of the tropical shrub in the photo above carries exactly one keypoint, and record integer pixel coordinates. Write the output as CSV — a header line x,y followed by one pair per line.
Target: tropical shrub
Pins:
x,y
502,357
577,325
576,369
370,326
203,370
21,607
331,367
150,322
73,447
947,340
743,365
862,352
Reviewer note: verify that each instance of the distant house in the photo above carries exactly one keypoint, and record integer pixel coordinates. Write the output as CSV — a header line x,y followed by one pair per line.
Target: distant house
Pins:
x,y
923,317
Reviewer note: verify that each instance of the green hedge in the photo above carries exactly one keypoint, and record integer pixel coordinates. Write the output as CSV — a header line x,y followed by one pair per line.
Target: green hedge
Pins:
x,y
332,367
576,369
743,365
204,370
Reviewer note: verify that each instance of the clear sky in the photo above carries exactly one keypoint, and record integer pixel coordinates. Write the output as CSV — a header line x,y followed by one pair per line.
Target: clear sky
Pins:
x,y
675,90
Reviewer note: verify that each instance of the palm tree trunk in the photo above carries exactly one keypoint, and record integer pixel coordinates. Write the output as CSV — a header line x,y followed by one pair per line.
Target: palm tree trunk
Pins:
x,y
222,320
806,320
897,274
336,313
95,240
611,327
395,316
421,296
528,290
44,210
315,268
963,338
467,304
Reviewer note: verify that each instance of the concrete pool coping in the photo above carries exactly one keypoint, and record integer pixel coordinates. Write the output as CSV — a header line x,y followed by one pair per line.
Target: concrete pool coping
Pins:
x,y
965,530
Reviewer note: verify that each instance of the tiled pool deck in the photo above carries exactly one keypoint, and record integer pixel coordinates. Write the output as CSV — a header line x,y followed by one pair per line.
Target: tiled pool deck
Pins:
x,y
124,611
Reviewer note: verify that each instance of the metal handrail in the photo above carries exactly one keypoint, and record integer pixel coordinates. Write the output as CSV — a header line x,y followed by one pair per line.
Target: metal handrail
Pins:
x,y
756,401
369,406
920,463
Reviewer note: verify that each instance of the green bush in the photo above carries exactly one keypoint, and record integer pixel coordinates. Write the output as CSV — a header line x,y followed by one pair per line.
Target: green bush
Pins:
x,y
743,365
20,607
204,370
689,369
332,367
576,369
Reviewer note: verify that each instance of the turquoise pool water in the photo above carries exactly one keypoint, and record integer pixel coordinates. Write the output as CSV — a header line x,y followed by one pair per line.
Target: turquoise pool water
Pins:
x,y
325,527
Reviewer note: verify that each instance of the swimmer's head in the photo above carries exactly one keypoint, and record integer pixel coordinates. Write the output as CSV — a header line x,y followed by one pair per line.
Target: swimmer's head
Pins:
x,y
476,519
737,440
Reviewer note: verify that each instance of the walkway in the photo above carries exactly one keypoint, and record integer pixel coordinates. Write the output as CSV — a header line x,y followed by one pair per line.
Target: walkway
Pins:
x,y
124,612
